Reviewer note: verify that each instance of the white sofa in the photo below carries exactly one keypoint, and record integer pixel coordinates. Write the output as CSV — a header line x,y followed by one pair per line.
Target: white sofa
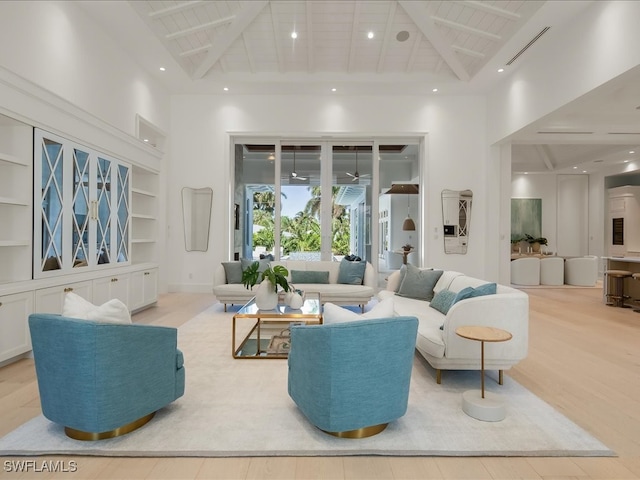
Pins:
x,y
508,309
334,292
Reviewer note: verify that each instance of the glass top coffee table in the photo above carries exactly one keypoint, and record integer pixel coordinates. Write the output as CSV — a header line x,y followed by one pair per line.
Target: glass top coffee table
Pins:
x,y
265,333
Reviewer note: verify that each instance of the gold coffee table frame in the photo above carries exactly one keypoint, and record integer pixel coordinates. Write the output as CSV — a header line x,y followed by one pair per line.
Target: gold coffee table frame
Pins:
x,y
310,313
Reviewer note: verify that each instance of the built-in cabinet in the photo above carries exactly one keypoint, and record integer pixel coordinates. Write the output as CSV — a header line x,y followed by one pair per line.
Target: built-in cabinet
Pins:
x,y
624,221
14,330
81,207
89,226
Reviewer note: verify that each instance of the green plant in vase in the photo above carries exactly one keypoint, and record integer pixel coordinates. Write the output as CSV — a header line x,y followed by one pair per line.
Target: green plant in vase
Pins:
x,y
272,277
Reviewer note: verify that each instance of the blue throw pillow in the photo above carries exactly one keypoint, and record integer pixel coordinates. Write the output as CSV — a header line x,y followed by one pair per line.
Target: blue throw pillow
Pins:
x,y
419,283
233,271
469,292
443,300
351,273
309,276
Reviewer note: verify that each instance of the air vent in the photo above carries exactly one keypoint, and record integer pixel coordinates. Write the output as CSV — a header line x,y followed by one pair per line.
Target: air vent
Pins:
x,y
524,49
623,133
565,133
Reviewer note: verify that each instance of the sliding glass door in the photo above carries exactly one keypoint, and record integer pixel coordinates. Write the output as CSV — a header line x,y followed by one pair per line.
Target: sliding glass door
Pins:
x,y
307,200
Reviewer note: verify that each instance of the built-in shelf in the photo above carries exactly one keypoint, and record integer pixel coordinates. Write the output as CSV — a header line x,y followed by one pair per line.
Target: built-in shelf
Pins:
x,y
13,201
143,216
15,243
5,157
139,191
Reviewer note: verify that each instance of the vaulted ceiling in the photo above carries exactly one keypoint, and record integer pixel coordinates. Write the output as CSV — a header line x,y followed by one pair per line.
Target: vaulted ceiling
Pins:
x,y
372,41
415,47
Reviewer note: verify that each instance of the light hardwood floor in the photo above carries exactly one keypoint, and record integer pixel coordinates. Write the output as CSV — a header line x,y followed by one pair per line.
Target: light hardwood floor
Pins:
x,y
584,359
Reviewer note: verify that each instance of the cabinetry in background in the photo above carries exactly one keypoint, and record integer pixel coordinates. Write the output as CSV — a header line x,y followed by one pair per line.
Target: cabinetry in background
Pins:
x,y
14,329
16,186
624,221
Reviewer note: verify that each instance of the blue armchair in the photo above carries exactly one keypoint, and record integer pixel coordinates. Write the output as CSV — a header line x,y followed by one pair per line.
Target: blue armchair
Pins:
x,y
351,379
101,380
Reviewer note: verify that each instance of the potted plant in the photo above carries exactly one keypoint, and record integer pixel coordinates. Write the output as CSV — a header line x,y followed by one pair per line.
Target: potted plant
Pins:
x,y
267,293
407,247
535,242
515,241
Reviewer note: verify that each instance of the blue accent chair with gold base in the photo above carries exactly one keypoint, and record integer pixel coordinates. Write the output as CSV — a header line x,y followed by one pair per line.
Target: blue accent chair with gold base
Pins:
x,y
351,379
101,380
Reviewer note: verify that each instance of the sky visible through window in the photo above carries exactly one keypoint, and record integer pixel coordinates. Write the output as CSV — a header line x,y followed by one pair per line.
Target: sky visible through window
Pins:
x,y
295,201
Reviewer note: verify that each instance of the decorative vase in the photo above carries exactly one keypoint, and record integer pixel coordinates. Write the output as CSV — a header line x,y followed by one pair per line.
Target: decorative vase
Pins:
x,y
535,246
266,296
296,301
287,297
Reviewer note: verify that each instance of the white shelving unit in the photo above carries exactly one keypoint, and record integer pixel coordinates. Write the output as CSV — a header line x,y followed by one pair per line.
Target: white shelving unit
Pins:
x,y
144,210
16,184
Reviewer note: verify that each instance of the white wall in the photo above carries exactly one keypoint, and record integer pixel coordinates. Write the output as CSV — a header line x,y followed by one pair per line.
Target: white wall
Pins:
x,y
57,46
456,159
566,63
61,72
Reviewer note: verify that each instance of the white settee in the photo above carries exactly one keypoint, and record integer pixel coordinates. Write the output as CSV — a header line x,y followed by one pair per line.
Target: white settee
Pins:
x,y
508,309
334,292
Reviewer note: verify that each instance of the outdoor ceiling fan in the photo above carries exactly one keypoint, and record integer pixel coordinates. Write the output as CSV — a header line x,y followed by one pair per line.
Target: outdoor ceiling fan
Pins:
x,y
294,174
355,176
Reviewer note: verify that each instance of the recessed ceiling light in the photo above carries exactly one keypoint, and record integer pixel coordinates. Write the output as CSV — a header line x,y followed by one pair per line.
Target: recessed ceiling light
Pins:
x,y
226,89
584,171
625,161
632,151
162,69
575,168
145,139
434,90
370,35
294,34
333,89
500,70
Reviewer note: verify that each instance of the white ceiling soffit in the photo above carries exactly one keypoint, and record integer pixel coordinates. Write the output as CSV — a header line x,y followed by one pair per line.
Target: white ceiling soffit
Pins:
x,y
412,41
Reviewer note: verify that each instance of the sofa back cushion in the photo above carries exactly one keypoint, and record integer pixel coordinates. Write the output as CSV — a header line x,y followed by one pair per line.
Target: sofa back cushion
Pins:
x,y
444,283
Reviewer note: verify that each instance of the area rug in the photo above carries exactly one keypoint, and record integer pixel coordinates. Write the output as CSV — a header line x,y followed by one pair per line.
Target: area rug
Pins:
x,y
241,408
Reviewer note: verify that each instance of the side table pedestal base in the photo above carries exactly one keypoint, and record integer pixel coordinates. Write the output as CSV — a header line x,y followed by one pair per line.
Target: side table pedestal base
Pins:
x,y
491,408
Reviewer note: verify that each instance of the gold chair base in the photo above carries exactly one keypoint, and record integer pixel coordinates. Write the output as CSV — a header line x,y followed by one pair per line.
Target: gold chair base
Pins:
x,y
363,432
124,429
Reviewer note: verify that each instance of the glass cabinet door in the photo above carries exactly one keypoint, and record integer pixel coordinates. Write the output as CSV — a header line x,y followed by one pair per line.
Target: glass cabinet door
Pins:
x,y
123,216
51,204
81,207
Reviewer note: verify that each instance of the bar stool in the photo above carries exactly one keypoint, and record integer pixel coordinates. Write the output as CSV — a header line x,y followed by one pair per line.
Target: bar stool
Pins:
x,y
615,283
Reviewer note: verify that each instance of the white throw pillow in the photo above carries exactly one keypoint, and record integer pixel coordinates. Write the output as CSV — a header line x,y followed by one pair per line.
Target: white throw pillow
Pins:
x,y
113,311
336,314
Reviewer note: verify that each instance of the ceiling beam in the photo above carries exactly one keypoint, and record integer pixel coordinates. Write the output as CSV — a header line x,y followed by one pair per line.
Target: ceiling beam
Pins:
x,y
226,39
387,36
276,38
195,51
465,28
544,152
468,52
311,63
199,28
487,8
428,28
354,36
180,7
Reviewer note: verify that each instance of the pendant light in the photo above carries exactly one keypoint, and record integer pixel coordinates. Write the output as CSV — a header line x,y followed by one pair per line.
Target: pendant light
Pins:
x,y
408,224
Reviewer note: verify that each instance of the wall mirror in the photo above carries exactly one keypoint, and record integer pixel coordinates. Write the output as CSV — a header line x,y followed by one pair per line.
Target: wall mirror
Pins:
x,y
196,212
456,218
